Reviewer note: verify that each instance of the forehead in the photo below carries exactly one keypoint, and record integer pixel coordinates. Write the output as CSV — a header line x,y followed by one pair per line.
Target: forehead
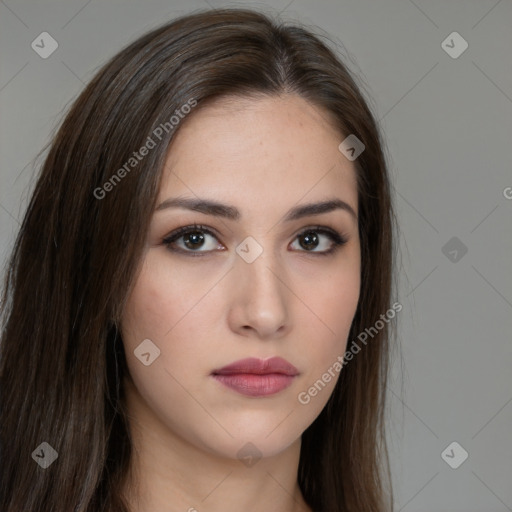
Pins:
x,y
259,151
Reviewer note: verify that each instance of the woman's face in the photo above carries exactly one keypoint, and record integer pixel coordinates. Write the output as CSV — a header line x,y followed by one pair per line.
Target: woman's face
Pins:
x,y
254,281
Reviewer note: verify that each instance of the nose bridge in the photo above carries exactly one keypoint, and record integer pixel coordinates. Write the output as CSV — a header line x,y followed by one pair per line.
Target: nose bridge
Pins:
x,y
261,292
263,273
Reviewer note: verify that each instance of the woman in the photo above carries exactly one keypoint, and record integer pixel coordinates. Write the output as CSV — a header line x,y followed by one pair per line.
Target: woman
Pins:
x,y
208,242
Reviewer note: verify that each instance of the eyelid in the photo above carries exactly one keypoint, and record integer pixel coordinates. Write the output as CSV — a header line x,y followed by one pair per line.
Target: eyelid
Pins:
x,y
181,231
337,238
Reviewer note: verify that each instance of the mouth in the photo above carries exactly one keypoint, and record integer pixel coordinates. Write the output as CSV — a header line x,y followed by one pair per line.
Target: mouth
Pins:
x,y
257,377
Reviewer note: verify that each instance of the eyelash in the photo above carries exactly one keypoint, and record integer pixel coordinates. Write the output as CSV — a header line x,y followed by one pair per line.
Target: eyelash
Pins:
x,y
336,238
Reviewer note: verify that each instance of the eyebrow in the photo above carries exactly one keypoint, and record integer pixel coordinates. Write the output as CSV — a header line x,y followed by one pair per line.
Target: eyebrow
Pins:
x,y
217,209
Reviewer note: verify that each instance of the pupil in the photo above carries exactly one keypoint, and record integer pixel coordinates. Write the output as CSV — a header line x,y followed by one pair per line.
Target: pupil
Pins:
x,y
310,239
195,239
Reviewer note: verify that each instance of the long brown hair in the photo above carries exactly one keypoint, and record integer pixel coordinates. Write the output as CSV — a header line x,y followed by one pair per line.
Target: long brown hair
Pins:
x,y
78,250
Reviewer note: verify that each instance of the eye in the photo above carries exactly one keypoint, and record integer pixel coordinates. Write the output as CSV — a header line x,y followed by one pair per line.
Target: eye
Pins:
x,y
311,239
194,238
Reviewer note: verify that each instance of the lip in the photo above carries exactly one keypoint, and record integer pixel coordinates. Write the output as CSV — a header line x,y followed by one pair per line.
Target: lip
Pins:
x,y
257,377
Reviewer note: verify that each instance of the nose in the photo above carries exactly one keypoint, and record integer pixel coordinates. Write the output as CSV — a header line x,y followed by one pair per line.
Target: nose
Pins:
x,y
259,305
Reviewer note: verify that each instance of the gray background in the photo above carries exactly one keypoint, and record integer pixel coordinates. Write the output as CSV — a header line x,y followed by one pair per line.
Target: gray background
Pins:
x,y
448,125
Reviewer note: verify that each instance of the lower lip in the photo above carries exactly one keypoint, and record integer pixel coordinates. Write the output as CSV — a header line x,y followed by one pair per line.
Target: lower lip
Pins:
x,y
256,385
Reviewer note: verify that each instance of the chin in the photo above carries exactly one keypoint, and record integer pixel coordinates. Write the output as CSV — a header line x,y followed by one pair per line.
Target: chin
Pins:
x,y
266,438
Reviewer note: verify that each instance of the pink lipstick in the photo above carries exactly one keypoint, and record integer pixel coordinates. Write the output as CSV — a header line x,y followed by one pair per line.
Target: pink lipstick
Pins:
x,y
257,377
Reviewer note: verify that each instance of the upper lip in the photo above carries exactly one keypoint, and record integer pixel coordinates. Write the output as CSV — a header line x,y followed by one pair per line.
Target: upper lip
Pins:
x,y
258,367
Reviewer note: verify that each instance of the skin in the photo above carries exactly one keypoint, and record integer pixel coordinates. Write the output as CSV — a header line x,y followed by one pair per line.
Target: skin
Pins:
x,y
264,156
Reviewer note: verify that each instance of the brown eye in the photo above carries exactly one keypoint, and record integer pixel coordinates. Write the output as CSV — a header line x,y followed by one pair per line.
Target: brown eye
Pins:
x,y
193,240
308,240
313,238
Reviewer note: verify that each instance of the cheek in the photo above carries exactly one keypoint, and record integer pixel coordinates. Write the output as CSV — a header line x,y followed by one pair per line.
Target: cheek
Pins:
x,y
332,303
334,300
172,317
332,295
161,300
173,309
